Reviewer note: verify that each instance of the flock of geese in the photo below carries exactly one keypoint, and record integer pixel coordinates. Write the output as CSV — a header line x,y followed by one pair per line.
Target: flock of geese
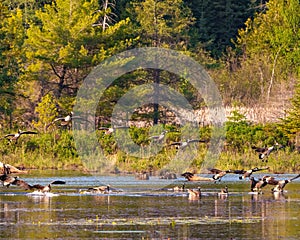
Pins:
x,y
256,186
8,178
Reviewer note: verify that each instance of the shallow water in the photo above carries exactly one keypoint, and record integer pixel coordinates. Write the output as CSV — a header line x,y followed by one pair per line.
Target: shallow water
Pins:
x,y
148,210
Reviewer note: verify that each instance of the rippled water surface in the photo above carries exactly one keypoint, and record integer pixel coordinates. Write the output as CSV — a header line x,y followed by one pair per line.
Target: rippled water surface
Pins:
x,y
148,210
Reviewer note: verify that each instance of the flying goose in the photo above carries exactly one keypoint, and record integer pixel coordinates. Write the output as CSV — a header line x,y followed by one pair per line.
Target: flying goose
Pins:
x,y
248,173
64,121
110,130
263,153
218,174
279,184
184,144
13,137
191,177
159,138
43,189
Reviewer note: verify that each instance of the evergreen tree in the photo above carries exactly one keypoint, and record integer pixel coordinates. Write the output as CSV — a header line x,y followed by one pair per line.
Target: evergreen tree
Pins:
x,y
162,24
217,22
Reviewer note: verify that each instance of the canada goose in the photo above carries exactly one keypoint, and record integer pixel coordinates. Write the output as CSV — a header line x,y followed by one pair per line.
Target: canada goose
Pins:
x,y
66,120
257,185
184,144
279,184
224,191
168,175
109,130
159,138
5,178
191,177
179,189
142,176
13,137
100,189
248,173
21,183
218,174
7,167
266,151
194,193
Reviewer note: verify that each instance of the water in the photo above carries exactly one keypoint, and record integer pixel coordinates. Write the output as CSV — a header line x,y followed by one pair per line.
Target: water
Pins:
x,y
148,210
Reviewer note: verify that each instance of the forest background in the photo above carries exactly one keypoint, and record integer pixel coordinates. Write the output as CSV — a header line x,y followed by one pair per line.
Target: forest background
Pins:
x,y
250,49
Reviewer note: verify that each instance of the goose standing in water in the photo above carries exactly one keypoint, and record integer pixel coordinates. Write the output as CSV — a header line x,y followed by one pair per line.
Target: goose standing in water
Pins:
x,y
14,137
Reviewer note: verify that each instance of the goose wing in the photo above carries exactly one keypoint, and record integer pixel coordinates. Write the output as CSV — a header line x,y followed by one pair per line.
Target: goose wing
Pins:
x,y
270,180
239,171
54,121
259,149
120,127
187,174
58,182
9,135
214,170
27,132
22,184
175,143
259,169
103,128
292,179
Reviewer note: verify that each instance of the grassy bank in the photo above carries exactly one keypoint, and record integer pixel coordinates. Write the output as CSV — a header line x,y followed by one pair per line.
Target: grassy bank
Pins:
x,y
56,150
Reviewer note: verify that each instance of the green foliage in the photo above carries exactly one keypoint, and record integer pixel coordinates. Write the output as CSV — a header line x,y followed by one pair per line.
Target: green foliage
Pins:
x,y
46,111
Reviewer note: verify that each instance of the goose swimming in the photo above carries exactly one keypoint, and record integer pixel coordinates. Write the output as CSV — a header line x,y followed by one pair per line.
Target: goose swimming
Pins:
x,y
194,194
